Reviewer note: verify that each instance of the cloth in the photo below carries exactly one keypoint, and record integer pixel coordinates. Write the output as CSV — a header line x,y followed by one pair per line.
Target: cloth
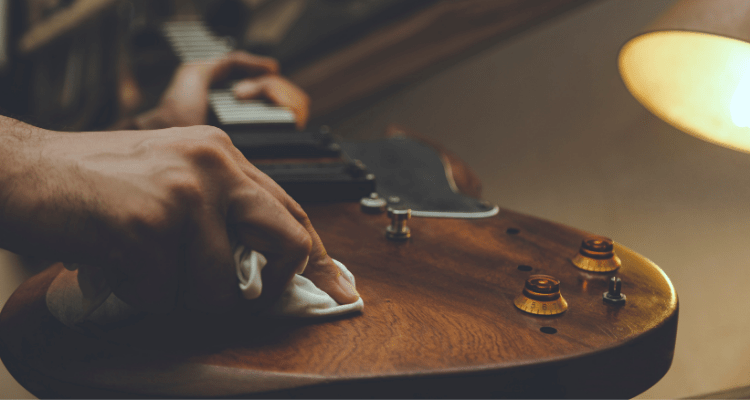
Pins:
x,y
301,298
92,300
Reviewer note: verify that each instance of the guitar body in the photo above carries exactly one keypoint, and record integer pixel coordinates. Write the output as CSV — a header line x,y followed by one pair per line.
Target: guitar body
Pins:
x,y
439,321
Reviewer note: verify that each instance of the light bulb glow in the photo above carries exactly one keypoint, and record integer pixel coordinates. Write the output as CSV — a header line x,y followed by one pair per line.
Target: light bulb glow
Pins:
x,y
740,104
697,82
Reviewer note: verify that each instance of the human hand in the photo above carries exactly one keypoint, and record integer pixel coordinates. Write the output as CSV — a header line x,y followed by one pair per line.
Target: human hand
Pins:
x,y
185,102
152,210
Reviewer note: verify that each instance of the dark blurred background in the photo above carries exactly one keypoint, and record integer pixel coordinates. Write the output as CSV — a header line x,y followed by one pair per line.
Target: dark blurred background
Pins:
x,y
82,64
78,65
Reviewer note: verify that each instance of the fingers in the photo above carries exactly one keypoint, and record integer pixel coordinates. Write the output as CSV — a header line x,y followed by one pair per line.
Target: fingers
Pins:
x,y
200,75
245,62
329,278
320,267
268,220
280,91
264,224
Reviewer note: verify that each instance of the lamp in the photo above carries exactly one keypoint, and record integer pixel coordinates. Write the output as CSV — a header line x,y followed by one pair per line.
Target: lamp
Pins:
x,y
691,68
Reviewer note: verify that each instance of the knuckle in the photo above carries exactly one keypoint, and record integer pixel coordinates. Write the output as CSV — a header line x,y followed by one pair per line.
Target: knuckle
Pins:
x,y
155,220
184,188
206,132
301,216
295,209
299,243
203,151
216,134
175,194
208,151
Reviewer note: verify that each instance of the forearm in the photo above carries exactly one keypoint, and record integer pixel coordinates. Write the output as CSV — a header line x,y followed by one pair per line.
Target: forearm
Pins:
x,y
20,145
36,203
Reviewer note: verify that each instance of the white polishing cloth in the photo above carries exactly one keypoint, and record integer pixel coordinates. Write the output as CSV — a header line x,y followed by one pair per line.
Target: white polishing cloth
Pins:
x,y
301,298
96,303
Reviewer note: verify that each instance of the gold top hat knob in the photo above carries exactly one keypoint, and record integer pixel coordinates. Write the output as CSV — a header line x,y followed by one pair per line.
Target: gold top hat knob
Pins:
x,y
597,254
541,296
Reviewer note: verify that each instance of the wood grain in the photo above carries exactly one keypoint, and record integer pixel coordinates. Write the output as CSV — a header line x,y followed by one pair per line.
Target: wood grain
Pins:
x,y
397,53
439,321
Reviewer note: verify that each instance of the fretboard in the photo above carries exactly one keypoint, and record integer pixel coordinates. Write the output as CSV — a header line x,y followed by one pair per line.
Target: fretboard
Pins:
x,y
193,41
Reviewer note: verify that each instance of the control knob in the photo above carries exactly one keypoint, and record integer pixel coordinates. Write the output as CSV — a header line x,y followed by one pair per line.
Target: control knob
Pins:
x,y
541,296
597,254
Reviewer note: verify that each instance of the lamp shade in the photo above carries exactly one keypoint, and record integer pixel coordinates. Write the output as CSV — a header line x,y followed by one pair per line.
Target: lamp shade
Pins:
x,y
691,68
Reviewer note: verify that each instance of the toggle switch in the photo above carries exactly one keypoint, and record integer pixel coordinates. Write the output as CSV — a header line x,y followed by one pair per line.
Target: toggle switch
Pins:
x,y
614,294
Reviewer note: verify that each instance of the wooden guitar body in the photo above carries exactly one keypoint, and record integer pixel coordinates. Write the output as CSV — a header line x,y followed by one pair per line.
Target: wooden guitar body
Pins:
x,y
439,321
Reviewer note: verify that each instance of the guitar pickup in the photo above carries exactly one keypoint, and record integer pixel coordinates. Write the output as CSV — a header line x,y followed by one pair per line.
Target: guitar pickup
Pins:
x,y
323,181
264,145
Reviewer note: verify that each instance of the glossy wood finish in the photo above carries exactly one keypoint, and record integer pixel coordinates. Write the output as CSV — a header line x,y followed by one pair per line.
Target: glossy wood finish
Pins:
x,y
439,321
397,53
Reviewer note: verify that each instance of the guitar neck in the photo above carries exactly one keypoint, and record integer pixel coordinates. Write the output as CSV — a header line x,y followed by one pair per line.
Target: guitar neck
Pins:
x,y
193,41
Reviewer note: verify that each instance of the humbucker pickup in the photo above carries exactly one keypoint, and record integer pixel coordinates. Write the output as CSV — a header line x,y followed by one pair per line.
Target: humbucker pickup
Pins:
x,y
264,145
326,181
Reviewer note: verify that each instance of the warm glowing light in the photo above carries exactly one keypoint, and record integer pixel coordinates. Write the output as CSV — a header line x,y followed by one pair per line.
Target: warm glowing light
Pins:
x,y
740,105
697,82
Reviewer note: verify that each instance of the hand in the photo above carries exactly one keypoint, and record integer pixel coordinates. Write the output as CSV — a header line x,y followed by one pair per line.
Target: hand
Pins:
x,y
185,102
152,209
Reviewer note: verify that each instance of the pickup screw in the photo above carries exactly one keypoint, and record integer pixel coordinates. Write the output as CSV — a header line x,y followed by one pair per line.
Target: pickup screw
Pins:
x,y
373,204
398,230
613,295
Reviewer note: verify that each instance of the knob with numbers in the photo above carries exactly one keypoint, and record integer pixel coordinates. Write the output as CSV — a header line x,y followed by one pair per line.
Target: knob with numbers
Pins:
x,y
541,296
597,254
